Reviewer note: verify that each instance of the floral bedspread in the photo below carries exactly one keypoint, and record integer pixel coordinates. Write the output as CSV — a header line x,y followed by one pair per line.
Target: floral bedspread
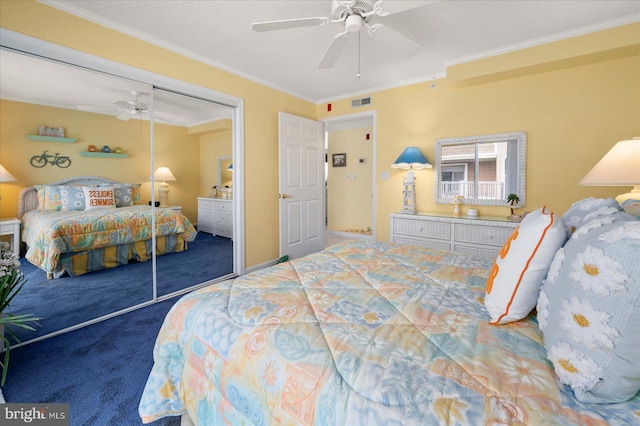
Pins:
x,y
361,333
48,234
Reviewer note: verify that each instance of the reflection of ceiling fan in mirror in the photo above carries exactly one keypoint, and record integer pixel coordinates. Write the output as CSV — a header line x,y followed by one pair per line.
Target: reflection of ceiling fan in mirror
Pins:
x,y
128,109
354,16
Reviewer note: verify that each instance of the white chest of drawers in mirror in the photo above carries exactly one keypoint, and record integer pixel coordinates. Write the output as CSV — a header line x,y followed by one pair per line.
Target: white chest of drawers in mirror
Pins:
x,y
215,216
482,236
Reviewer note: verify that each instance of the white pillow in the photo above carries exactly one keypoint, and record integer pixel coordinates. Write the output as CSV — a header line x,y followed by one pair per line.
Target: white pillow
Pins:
x,y
99,197
522,265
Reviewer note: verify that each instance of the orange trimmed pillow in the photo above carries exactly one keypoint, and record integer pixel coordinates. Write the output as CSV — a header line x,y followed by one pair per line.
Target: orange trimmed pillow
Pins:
x,y
99,197
521,266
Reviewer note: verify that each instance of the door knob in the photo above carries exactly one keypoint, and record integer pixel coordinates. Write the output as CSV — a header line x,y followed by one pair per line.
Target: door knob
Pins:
x,y
284,196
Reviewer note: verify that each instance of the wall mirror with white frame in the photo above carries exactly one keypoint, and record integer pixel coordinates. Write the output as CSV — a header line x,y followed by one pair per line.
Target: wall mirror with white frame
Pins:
x,y
225,172
482,169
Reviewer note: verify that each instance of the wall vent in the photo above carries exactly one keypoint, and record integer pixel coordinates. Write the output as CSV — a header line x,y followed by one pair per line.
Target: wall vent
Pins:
x,y
360,102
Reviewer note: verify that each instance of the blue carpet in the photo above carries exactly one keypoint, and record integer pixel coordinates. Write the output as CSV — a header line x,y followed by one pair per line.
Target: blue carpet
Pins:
x,y
99,370
68,300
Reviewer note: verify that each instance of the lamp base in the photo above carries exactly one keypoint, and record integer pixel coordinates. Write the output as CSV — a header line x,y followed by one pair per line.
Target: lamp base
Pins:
x,y
633,195
409,196
163,194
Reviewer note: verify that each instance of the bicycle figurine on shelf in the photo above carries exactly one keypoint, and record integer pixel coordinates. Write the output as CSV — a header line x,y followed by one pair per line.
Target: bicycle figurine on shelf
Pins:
x,y
43,159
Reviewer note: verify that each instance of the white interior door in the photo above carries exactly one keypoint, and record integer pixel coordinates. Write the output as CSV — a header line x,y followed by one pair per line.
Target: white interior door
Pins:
x,y
301,157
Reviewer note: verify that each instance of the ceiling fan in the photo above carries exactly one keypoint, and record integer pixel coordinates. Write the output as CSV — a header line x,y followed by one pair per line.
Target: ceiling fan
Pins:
x,y
355,15
127,109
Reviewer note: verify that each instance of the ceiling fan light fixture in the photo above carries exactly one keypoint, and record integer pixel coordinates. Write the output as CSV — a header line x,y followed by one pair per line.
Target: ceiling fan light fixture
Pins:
x,y
353,23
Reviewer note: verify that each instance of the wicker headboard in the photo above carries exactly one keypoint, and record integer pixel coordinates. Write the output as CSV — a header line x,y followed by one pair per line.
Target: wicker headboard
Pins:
x,y
28,197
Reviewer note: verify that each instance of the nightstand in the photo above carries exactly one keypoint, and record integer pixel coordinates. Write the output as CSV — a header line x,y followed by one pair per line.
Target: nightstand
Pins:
x,y
11,226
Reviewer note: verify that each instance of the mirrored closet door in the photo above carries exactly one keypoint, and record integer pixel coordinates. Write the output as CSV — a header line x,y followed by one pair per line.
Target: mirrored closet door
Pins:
x,y
190,136
117,133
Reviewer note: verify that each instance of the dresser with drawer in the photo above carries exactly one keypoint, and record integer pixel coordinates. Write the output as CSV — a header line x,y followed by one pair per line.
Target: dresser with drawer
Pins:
x,y
215,216
483,236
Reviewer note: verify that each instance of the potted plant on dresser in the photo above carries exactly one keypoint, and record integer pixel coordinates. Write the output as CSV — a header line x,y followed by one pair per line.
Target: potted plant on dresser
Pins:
x,y
11,282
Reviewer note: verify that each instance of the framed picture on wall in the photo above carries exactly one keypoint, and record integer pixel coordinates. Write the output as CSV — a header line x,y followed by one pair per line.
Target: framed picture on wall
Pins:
x,y
340,160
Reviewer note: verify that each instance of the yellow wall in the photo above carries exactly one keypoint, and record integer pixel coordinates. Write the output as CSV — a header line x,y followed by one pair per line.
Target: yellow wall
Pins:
x,y
573,106
19,119
261,104
572,115
350,188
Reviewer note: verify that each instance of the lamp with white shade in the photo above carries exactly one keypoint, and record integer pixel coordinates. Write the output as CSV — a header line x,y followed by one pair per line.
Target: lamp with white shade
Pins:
x,y
163,174
5,176
619,167
411,159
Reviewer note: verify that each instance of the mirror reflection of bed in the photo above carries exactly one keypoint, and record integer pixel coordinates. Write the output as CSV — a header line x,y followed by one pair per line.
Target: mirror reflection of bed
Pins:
x,y
190,151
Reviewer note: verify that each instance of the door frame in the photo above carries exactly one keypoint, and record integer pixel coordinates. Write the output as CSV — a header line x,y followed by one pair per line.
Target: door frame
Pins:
x,y
373,114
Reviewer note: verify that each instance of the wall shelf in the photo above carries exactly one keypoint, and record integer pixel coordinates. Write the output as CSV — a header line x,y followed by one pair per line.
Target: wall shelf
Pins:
x,y
50,139
103,154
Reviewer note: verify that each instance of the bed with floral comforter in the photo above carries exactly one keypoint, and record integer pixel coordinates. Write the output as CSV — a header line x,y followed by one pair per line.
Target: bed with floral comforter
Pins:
x,y
362,333
88,240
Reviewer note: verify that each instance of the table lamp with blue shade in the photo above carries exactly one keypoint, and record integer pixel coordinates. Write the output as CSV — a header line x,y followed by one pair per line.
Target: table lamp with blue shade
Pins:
x,y
411,159
230,168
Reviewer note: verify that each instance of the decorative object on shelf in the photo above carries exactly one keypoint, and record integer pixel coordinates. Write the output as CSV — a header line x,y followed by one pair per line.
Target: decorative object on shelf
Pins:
x,y
472,213
11,282
106,149
56,132
163,174
92,148
513,200
39,161
340,160
118,150
214,191
619,167
456,201
411,159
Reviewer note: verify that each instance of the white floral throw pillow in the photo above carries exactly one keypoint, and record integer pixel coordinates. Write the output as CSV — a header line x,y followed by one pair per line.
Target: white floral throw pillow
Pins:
x,y
589,309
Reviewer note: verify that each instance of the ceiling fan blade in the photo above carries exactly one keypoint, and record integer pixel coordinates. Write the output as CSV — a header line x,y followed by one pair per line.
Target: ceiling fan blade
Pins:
x,y
131,105
395,40
333,52
289,23
392,7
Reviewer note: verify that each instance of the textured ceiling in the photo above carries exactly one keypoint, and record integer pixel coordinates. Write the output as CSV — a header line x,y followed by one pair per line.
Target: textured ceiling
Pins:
x,y
219,33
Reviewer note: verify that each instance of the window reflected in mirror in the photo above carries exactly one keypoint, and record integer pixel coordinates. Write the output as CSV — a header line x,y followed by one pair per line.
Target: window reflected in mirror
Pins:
x,y
483,170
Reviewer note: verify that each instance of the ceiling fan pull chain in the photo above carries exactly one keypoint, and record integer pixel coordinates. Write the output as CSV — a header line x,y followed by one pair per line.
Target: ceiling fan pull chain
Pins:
x,y
358,75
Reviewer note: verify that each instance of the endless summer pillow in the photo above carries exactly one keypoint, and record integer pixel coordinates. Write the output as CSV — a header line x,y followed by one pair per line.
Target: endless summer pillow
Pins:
x,y
522,265
589,310
99,196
